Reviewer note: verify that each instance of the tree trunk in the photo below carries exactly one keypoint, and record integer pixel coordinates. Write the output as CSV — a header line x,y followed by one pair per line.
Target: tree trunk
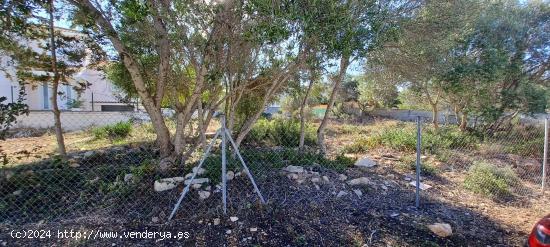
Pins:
x,y
247,126
435,116
344,63
463,121
153,110
55,84
302,111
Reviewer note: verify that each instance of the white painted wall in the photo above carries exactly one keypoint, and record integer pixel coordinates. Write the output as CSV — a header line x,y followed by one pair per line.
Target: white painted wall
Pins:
x,y
71,121
102,88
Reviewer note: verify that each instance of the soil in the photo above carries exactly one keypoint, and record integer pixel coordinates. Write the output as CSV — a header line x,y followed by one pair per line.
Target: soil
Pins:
x,y
300,214
297,214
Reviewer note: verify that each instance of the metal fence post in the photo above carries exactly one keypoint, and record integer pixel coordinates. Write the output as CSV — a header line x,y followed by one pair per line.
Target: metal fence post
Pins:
x,y
545,154
418,142
224,164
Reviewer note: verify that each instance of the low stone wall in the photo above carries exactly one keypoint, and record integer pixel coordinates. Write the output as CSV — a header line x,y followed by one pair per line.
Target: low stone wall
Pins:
x,y
444,116
76,120
411,115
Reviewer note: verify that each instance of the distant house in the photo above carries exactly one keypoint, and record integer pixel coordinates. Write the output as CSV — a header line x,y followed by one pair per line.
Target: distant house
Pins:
x,y
100,95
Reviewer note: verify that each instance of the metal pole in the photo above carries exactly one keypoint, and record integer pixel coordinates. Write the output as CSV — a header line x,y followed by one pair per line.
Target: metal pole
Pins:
x,y
224,165
418,142
245,166
193,176
11,89
92,101
545,154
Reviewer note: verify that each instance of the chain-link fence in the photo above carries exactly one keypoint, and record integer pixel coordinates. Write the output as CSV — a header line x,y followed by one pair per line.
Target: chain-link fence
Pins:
x,y
111,172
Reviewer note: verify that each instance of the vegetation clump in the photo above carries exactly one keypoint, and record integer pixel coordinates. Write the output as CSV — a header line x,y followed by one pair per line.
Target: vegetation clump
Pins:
x,y
491,181
280,132
119,130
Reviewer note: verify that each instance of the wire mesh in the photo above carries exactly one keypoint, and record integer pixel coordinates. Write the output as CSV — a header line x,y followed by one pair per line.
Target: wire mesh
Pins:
x,y
112,168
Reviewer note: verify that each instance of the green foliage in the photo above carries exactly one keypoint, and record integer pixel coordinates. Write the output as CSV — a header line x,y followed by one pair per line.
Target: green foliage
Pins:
x,y
116,131
524,140
490,180
280,132
379,92
10,111
403,138
407,163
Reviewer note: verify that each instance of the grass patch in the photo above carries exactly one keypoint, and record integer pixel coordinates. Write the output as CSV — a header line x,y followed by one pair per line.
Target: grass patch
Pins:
x,y
402,137
280,132
408,164
116,131
491,181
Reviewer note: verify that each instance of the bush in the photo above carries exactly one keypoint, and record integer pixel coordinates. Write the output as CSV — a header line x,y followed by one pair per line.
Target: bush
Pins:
x,y
403,138
490,180
280,132
119,130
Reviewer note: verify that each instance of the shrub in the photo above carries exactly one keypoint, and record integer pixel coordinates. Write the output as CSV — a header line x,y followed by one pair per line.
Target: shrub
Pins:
x,y
490,180
403,138
280,132
119,130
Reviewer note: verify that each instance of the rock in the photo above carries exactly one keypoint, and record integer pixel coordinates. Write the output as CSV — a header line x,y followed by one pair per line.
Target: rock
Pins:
x,y
293,176
384,187
423,186
233,218
253,229
228,232
315,180
88,154
8,174
341,193
358,193
196,186
230,175
365,162
360,181
300,181
128,177
204,194
393,215
441,229
167,183
326,179
17,192
317,187
196,181
216,221
74,164
342,177
199,171
294,169
155,219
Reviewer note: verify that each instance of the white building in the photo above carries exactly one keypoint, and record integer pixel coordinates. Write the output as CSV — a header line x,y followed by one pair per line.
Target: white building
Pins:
x,y
100,95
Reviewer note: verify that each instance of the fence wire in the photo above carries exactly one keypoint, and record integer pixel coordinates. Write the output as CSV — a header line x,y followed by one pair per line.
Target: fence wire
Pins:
x,y
111,168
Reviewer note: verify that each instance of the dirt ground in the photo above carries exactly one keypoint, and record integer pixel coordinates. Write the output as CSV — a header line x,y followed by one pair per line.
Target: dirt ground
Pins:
x,y
300,213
